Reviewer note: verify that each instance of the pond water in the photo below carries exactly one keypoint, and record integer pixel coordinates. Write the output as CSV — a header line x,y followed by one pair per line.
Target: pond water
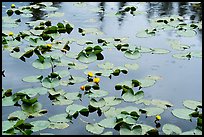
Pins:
x,y
181,79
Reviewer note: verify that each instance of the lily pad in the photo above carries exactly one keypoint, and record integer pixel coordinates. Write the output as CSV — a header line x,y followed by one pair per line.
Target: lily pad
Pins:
x,y
136,130
176,45
147,82
197,54
72,95
191,104
59,118
130,96
112,101
161,103
182,113
186,33
50,83
98,104
192,132
54,125
72,109
145,128
98,93
132,66
108,122
18,114
71,54
42,65
62,101
6,125
182,55
8,101
35,78
94,128
87,58
56,14
159,51
63,73
39,125
49,9
170,129
32,92
132,54
77,66
153,111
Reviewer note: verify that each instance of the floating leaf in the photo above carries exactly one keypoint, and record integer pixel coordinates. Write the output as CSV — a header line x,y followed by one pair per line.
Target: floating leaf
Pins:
x,y
191,104
27,15
41,65
129,96
77,79
39,125
108,122
136,130
145,128
197,54
112,101
77,66
98,93
56,14
159,51
170,129
132,54
98,104
50,83
146,82
87,59
182,113
106,65
152,111
49,9
71,54
144,34
186,33
35,78
107,133
182,55
72,109
59,118
54,125
8,101
111,112
161,103
144,50
132,66
18,114
72,95
94,128
192,132
62,101
6,125
176,45
63,73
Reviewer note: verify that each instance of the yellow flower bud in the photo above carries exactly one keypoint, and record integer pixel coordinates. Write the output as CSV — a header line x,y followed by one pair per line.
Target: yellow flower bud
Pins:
x,y
10,34
13,6
96,80
49,45
158,117
82,87
90,74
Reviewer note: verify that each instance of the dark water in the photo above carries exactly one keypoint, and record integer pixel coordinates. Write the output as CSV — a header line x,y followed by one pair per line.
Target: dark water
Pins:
x,y
181,79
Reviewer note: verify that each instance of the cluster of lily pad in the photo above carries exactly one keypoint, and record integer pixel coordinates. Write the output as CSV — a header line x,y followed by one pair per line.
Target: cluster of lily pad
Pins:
x,y
52,53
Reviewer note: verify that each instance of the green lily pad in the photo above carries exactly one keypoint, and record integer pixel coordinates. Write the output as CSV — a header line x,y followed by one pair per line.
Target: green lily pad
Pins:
x,y
18,114
108,122
197,54
145,128
136,130
153,111
105,72
77,79
36,32
98,104
146,82
94,128
111,112
54,55
63,73
31,92
62,101
8,101
72,109
132,54
98,93
191,104
170,129
186,33
192,132
159,51
107,133
42,65
132,66
6,125
106,65
72,95
35,78
161,103
54,125
144,34
144,50
112,101
130,96
27,15
182,113
50,83
129,109
59,118
77,66
182,55
39,125
34,110
17,54
87,59
176,45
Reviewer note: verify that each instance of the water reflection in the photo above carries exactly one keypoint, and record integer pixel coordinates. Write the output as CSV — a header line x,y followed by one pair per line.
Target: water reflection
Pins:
x,y
121,16
37,14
